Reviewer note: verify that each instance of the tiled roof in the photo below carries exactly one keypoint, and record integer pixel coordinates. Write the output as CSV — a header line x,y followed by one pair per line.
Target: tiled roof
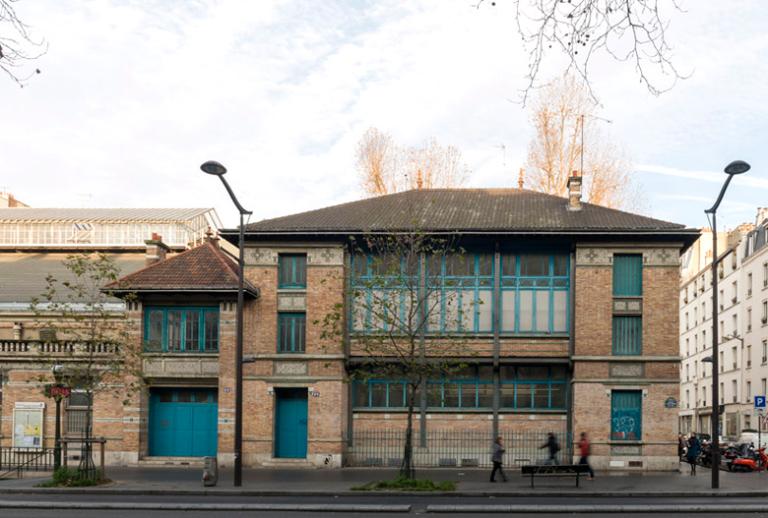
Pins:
x,y
32,214
206,268
464,210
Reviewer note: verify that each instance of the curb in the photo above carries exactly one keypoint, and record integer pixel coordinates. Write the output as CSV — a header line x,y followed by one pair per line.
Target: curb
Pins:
x,y
347,493
594,509
320,508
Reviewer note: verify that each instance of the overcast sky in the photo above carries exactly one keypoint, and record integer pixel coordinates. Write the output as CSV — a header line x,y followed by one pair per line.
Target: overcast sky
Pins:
x,y
135,95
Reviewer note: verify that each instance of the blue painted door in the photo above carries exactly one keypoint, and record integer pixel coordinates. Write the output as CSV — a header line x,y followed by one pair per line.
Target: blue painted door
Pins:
x,y
291,424
182,422
626,415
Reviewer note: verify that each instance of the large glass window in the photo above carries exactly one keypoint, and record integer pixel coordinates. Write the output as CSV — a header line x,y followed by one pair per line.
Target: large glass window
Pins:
x,y
462,289
627,415
181,329
291,332
533,387
292,271
534,293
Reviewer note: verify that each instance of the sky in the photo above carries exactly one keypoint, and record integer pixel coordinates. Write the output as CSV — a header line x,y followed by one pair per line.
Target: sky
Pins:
x,y
135,95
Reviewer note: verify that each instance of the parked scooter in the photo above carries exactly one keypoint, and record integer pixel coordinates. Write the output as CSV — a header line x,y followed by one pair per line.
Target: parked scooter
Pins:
x,y
750,461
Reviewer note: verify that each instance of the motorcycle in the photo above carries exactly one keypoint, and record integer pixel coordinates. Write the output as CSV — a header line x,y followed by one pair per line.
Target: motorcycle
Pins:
x,y
750,461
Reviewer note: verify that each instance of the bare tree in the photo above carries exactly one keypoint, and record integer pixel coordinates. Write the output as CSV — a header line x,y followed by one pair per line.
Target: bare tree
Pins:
x,y
386,168
87,338
567,138
632,31
16,44
407,322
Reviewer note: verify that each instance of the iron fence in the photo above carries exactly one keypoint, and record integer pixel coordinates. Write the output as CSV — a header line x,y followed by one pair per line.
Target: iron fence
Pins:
x,y
18,460
453,448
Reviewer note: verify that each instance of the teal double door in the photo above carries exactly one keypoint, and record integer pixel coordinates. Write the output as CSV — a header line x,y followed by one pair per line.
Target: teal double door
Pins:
x,y
291,423
182,422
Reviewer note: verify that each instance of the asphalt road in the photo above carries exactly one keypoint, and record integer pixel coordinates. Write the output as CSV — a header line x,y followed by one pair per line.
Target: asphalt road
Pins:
x,y
419,504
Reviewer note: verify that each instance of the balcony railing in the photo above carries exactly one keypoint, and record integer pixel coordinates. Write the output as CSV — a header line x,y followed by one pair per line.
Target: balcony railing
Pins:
x,y
39,347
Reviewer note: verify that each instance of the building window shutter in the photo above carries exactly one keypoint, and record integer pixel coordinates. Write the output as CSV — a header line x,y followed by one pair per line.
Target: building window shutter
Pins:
x,y
627,335
627,275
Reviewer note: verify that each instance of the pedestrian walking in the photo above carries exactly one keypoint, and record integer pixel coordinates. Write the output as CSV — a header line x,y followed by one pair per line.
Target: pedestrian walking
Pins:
x,y
584,451
497,456
694,448
681,445
552,447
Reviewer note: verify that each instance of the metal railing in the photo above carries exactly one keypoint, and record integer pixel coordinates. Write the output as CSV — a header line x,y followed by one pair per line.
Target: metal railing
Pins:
x,y
453,448
36,347
19,460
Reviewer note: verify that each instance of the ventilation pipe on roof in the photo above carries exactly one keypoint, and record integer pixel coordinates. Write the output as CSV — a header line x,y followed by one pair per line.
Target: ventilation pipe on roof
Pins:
x,y
156,250
212,238
574,191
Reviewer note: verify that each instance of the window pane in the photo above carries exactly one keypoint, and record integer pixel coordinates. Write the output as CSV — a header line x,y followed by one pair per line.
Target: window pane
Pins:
x,y
507,396
526,311
192,331
361,394
542,311
524,395
434,395
627,335
558,395
174,331
378,394
450,311
183,396
561,265
468,308
154,338
560,322
534,265
291,332
508,311
451,395
541,396
396,395
485,311
460,265
533,372
485,395
292,270
508,265
211,331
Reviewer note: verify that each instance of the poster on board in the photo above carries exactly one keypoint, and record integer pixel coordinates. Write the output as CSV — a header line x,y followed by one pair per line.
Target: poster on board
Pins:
x,y
28,425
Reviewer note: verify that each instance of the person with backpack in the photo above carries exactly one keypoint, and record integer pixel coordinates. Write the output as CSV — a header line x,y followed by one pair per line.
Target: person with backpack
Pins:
x,y
585,451
552,447
497,456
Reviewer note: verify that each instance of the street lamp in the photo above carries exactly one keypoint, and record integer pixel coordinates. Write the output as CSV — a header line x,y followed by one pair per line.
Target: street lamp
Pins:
x,y
58,392
732,169
216,169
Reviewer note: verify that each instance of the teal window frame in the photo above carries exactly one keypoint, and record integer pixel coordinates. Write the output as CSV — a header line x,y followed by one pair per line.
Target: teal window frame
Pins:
x,y
626,415
203,339
627,335
550,283
628,275
547,384
297,324
294,267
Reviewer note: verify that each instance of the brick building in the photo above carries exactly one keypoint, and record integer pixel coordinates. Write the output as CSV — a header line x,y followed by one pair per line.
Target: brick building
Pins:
x,y
569,313
575,329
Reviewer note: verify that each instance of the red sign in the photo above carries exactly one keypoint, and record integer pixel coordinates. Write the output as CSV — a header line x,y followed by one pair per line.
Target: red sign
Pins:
x,y
57,391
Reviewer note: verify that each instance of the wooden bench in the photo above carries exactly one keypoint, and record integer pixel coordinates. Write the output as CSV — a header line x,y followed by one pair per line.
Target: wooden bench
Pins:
x,y
555,470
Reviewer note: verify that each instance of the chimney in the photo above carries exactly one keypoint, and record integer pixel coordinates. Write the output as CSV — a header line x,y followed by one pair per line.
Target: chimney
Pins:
x,y
574,191
521,178
156,250
762,215
212,238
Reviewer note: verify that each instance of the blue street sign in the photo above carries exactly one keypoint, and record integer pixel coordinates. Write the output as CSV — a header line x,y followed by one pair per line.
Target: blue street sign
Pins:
x,y
759,401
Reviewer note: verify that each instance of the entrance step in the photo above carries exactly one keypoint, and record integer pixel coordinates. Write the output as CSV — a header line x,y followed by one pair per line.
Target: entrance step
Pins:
x,y
172,461
287,463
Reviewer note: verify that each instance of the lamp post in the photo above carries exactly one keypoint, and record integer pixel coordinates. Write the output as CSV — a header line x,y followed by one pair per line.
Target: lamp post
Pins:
x,y
732,169
58,392
216,169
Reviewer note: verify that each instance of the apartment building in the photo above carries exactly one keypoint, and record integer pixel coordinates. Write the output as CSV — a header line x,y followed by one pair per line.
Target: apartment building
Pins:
x,y
742,327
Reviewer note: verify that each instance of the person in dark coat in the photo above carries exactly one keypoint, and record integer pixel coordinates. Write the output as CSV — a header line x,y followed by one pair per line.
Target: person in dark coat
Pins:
x,y
497,456
694,449
552,447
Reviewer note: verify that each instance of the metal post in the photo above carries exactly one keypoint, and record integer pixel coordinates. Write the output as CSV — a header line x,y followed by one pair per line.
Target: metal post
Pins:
x,y
239,360
57,443
715,444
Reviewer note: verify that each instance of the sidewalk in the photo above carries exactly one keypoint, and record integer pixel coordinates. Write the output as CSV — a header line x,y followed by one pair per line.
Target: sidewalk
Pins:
x,y
474,482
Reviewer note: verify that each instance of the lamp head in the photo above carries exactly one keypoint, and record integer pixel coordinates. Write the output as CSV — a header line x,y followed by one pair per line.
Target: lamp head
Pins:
x,y
737,167
215,168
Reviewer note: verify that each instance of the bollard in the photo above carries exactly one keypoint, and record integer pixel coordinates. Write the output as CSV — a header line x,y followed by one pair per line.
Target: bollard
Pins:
x,y
210,472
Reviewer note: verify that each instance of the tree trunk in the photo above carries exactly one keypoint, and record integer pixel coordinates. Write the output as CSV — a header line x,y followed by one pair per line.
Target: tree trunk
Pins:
x,y
407,469
87,469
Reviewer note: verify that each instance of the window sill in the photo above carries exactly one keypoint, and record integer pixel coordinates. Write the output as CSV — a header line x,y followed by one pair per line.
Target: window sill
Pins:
x,y
180,354
288,289
483,410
